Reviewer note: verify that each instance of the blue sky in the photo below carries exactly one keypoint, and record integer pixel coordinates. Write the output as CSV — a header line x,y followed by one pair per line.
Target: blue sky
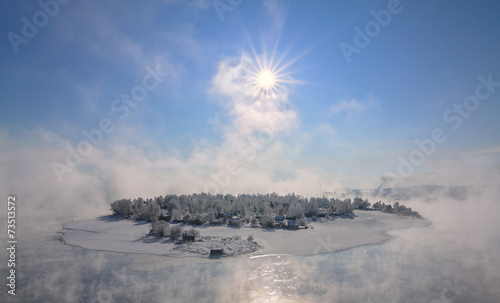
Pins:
x,y
341,123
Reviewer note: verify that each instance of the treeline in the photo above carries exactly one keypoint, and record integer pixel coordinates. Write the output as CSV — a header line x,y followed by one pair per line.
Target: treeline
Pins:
x,y
396,208
202,208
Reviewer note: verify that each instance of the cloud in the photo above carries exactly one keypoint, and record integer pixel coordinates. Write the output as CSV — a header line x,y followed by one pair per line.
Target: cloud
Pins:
x,y
327,129
277,12
352,107
257,141
232,85
494,150
261,149
95,31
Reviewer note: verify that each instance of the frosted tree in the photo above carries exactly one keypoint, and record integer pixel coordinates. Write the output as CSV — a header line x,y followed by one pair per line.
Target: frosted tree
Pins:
x,y
122,208
161,228
175,232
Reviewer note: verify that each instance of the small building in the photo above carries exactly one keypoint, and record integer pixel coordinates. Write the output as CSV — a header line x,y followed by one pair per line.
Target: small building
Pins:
x,y
291,217
292,224
216,252
279,224
228,214
321,215
279,218
187,237
217,222
235,221
165,216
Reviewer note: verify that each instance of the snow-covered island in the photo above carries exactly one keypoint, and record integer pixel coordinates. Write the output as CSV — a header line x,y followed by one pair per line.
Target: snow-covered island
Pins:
x,y
253,227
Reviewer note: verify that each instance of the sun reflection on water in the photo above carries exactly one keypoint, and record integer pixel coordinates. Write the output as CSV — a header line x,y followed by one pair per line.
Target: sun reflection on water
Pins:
x,y
272,280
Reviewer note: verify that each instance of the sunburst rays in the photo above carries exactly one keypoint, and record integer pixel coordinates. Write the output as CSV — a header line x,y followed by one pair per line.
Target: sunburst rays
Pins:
x,y
269,76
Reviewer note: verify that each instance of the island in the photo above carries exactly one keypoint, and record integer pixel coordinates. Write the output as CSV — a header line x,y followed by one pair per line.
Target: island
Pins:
x,y
214,226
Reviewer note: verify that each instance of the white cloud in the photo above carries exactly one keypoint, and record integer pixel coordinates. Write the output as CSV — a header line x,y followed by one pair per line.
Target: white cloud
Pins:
x,y
259,139
352,107
232,86
262,141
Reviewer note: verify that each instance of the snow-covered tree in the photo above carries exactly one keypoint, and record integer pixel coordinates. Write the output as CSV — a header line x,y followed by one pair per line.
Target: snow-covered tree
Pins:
x,y
175,232
122,208
161,228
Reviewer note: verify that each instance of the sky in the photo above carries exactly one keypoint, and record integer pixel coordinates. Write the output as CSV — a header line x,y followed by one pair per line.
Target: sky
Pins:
x,y
101,100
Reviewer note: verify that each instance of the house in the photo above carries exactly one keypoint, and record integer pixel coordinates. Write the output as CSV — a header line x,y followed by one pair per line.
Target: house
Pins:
x,y
321,215
291,217
279,224
217,222
234,221
187,237
216,252
165,216
229,214
292,224
279,218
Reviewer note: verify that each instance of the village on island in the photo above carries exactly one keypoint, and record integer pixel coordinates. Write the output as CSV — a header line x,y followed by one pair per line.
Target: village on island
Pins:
x,y
203,223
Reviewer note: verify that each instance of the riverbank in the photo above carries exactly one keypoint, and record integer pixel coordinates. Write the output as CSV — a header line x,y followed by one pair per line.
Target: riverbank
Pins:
x,y
116,234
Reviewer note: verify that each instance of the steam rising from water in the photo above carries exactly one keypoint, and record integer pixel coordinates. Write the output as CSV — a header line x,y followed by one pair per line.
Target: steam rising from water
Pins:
x,y
418,265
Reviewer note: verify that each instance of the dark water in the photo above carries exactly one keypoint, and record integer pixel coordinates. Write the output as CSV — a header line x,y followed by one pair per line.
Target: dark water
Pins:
x,y
416,266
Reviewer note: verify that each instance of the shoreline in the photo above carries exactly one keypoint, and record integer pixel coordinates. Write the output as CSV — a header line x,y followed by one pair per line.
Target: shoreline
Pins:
x,y
131,236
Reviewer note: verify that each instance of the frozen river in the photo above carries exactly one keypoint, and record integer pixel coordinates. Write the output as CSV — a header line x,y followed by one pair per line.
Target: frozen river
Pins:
x,y
417,265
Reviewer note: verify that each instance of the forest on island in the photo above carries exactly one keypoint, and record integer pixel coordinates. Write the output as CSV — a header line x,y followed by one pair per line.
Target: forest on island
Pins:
x,y
201,208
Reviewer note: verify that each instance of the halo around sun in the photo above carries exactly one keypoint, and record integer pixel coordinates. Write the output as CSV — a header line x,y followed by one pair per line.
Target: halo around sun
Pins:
x,y
267,77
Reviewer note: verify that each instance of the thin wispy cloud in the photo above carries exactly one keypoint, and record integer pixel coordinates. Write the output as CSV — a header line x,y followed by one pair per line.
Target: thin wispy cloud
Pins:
x,y
351,108
494,150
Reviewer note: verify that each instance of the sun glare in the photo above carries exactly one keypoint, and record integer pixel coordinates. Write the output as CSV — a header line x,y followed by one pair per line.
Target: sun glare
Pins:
x,y
268,74
266,79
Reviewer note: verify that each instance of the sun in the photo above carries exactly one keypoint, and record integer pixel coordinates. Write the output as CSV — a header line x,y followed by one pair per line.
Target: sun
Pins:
x,y
266,79
268,74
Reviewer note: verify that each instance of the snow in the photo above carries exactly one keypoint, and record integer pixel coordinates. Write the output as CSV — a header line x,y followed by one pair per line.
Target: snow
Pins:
x,y
130,236
231,246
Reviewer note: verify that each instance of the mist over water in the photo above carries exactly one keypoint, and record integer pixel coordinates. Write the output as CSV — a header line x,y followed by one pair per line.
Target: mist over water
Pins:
x,y
427,264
